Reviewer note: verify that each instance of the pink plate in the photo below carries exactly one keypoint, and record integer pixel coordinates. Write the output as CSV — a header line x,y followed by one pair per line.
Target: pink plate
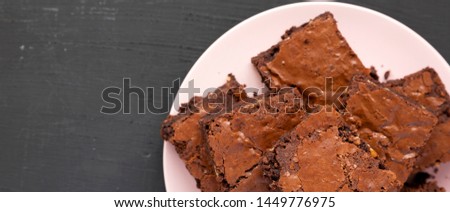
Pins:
x,y
379,41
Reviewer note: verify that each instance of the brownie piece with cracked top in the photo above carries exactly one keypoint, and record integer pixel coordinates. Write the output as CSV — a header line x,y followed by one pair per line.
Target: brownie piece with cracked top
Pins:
x,y
322,154
184,132
426,88
237,140
395,128
307,55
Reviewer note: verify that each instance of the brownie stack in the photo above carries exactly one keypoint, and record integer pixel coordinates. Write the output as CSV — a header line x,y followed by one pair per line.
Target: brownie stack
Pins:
x,y
372,136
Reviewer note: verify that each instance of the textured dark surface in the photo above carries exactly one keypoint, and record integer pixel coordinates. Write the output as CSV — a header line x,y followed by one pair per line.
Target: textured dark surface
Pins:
x,y
56,57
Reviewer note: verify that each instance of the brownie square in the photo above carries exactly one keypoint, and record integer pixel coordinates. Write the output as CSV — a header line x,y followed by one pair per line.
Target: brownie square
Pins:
x,y
425,187
237,140
253,181
307,55
323,154
395,128
184,132
426,88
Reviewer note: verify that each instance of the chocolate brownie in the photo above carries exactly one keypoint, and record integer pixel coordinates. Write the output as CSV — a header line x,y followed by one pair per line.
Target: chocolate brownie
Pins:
x,y
395,128
323,154
437,149
237,140
426,88
254,181
307,55
184,131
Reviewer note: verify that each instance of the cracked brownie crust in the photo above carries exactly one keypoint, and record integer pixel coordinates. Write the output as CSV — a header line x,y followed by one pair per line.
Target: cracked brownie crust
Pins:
x,y
307,55
426,88
237,140
184,132
322,154
394,127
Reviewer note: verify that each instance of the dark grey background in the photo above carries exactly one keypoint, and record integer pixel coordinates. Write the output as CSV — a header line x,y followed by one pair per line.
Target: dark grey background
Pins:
x,y
57,56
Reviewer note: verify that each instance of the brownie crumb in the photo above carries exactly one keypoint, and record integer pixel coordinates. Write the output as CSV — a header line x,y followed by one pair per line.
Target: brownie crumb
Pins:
x,y
373,73
319,148
418,179
421,182
386,75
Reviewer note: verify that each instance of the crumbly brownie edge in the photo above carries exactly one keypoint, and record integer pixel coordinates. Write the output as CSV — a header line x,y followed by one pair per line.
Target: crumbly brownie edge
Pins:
x,y
265,57
210,118
421,182
260,61
187,109
372,84
444,113
166,127
272,166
